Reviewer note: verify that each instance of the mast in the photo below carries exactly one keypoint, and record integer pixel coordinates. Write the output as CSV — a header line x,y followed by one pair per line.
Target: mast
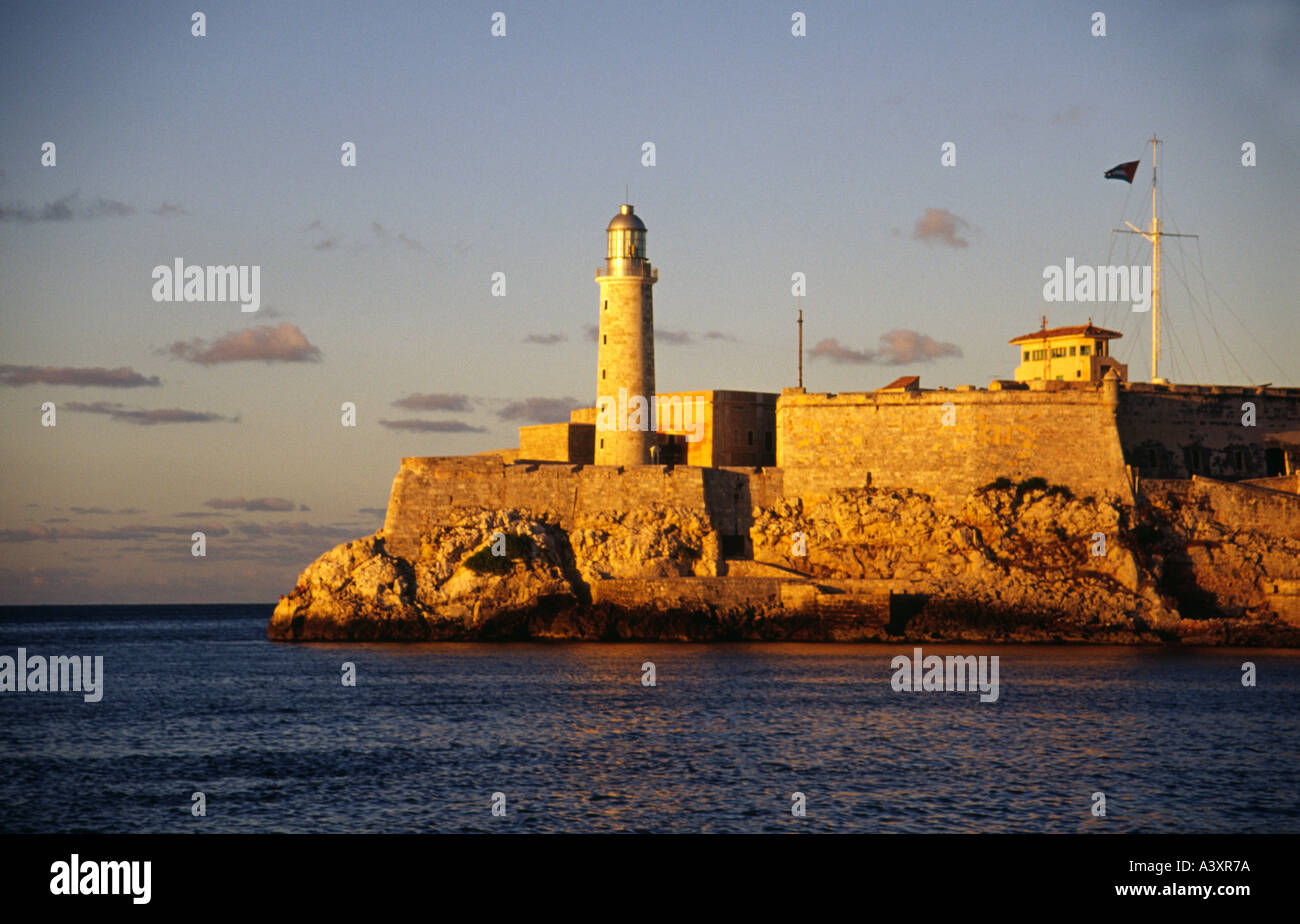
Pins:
x,y
1154,235
799,302
1155,270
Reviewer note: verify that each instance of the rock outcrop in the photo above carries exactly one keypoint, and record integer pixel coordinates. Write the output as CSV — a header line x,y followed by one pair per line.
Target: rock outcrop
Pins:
x,y
1025,562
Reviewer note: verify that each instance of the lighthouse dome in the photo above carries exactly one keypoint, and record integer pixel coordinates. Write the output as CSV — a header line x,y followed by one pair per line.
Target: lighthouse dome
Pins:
x,y
625,220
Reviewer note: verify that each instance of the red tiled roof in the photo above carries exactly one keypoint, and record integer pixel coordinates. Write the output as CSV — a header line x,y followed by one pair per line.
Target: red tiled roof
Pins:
x,y
1078,330
905,383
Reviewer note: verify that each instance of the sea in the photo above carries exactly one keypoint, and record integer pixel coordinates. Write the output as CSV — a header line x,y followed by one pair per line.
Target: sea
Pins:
x,y
571,737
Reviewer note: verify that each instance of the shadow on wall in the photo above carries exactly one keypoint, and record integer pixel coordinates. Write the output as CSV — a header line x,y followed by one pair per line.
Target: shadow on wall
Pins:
x,y
730,509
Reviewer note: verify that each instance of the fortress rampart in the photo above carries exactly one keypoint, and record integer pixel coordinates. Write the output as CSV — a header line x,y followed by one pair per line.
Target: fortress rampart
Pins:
x,y
949,443
1096,440
425,489
1176,431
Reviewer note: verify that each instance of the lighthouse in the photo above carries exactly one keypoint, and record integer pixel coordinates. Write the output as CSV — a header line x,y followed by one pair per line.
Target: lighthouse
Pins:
x,y
625,348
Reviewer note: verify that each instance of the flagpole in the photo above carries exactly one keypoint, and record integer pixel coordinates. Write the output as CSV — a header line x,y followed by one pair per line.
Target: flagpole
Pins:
x,y
1154,235
1155,270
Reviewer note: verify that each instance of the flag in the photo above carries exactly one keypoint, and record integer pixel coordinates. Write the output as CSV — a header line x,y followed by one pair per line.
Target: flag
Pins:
x,y
1123,171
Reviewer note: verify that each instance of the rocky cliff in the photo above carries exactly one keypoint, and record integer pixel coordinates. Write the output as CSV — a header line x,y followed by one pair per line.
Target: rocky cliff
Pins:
x,y
1018,562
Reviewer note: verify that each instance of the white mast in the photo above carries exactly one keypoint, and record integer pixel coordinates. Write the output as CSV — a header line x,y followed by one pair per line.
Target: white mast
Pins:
x,y
1154,235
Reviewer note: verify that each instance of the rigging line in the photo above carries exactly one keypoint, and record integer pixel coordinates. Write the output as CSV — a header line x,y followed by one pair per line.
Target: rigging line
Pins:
x,y
1223,341
1205,360
1178,344
1105,316
1134,337
1234,314
1219,335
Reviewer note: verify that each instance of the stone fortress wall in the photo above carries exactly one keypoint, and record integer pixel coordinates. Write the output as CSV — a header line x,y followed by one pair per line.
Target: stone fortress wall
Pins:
x,y
426,489
1095,440
950,443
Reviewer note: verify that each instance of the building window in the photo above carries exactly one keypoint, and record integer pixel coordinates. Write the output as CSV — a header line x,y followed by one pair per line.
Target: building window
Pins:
x,y
602,444
1026,356
602,375
751,437
1101,347
1085,350
1072,349
604,338
607,304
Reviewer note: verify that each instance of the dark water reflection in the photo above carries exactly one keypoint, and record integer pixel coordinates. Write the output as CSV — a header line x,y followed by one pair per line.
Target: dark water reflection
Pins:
x,y
196,699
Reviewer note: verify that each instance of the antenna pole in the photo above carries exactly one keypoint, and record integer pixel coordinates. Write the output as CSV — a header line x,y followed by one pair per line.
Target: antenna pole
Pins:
x,y
799,302
1047,353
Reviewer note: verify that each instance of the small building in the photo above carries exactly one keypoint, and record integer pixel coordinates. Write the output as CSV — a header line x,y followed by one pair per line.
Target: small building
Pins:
x,y
560,442
1067,354
711,429
717,428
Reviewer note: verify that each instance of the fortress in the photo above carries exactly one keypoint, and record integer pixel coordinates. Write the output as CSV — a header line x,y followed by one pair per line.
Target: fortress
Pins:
x,y
1068,416
1065,504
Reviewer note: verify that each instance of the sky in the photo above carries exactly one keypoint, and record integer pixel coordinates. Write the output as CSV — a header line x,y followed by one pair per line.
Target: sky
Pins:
x,y
479,154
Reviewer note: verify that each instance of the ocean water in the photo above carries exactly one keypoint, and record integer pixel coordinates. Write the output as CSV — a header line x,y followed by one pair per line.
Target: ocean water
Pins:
x,y
196,699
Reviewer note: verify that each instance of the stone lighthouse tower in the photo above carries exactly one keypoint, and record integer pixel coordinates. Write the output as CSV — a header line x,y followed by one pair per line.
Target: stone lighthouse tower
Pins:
x,y
625,353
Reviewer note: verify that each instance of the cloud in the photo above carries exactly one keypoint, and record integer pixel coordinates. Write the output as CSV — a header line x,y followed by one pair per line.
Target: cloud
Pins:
x,y
897,348
672,336
33,584
168,209
432,426
267,343
68,208
545,339
296,529
147,417
942,226
592,332
116,534
374,511
385,236
277,504
82,376
831,349
539,410
265,312
328,239
717,335
433,402
1073,115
